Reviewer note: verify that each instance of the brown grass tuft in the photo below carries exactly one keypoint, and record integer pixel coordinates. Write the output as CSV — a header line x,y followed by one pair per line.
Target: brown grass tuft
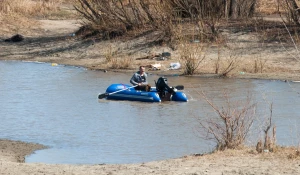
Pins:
x,y
121,63
267,6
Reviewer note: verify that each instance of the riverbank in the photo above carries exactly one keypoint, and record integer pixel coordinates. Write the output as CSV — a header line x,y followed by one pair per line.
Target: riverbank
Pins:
x,y
229,162
53,41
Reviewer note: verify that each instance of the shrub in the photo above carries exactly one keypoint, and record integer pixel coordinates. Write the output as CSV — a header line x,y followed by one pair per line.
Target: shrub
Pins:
x,y
191,56
232,122
119,16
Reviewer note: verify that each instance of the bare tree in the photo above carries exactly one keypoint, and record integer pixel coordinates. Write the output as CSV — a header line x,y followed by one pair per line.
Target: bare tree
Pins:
x,y
233,11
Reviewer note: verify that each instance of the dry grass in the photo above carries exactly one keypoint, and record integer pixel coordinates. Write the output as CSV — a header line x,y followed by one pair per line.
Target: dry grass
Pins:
x,y
280,153
19,16
271,6
255,65
109,54
29,7
121,63
15,23
114,62
267,6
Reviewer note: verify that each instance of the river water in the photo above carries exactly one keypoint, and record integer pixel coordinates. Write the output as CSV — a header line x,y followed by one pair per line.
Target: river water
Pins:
x,y
57,106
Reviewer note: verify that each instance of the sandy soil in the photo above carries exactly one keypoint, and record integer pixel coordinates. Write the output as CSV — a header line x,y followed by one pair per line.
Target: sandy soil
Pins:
x,y
230,162
53,41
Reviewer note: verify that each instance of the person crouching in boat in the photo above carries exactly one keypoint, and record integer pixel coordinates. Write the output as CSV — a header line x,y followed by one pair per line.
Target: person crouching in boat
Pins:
x,y
139,79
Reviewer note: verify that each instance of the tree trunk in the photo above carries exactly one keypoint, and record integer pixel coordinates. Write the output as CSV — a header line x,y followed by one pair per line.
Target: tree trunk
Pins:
x,y
226,8
252,8
233,11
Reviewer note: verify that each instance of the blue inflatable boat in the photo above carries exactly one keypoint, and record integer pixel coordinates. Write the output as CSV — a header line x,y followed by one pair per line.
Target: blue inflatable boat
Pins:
x,y
162,92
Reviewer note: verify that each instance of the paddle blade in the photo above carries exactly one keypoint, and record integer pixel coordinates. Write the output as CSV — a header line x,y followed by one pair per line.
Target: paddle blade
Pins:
x,y
100,96
179,87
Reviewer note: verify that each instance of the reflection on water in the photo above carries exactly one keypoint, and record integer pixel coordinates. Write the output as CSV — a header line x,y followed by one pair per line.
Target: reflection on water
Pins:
x,y
57,106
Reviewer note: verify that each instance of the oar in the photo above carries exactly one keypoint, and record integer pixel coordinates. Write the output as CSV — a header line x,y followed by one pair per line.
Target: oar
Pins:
x,y
100,96
178,87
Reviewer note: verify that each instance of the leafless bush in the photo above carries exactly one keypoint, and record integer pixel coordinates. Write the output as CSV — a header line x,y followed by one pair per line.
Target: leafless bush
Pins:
x,y
232,122
226,61
204,8
205,15
117,17
244,8
293,36
230,63
292,10
191,56
269,142
259,65
218,61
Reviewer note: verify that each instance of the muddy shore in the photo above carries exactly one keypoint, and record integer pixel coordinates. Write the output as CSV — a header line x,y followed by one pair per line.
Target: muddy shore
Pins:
x,y
230,162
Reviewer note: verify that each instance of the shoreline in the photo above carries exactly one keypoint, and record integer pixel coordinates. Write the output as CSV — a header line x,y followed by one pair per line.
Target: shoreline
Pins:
x,y
16,151
275,61
228,162
287,77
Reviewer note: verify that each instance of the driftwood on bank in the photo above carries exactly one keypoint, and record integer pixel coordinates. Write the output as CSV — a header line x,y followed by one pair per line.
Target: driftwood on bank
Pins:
x,y
149,57
162,56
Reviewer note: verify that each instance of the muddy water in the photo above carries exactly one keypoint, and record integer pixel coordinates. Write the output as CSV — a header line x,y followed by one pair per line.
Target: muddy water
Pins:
x,y
57,106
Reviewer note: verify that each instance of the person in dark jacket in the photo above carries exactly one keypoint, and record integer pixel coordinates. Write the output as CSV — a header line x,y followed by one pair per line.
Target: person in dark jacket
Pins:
x,y
139,79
